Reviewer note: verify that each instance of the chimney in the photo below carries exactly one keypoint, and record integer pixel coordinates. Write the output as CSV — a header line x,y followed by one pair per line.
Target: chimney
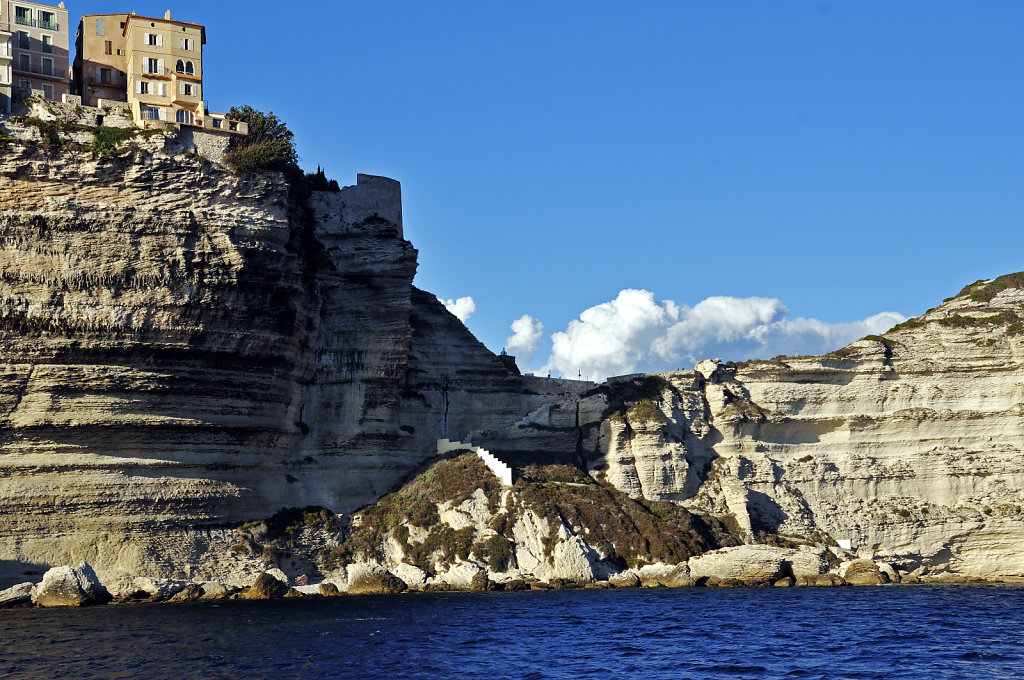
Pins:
x,y
167,15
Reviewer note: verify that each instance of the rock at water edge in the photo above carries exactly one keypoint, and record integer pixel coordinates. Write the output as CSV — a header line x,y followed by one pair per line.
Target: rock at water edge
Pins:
x,y
70,587
266,587
16,596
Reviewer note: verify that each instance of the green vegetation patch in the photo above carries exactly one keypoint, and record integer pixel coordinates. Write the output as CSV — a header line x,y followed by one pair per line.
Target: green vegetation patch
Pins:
x,y
979,291
645,411
270,145
908,325
495,550
106,139
1003,318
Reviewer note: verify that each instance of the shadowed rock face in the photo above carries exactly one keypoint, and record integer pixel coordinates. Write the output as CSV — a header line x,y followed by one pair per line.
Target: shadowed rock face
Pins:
x,y
908,445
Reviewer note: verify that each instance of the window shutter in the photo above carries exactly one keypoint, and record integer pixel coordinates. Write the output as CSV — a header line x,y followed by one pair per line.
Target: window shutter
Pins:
x,y
97,74
161,89
159,40
138,87
160,66
99,27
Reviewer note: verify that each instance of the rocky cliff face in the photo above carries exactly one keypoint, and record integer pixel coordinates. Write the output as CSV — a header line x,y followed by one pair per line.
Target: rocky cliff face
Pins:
x,y
184,348
907,445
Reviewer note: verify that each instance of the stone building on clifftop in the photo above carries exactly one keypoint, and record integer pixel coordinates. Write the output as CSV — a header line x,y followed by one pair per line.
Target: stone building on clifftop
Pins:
x,y
155,65
37,49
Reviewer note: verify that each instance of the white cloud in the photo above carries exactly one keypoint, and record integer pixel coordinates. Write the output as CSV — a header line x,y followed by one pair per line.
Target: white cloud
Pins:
x,y
463,308
525,339
635,332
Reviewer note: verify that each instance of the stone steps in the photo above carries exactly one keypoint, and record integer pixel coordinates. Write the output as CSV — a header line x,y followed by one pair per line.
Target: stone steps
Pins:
x,y
500,469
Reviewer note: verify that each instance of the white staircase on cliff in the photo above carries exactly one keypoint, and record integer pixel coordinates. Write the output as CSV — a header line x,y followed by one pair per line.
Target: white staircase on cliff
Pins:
x,y
502,471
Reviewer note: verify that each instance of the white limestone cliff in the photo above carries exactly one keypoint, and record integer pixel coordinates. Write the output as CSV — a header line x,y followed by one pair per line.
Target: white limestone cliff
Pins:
x,y
907,445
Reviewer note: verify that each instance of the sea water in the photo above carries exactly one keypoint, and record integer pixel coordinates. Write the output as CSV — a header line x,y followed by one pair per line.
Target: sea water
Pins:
x,y
930,632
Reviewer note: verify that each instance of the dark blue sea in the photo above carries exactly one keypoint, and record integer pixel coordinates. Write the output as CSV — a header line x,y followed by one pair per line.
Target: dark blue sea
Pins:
x,y
927,632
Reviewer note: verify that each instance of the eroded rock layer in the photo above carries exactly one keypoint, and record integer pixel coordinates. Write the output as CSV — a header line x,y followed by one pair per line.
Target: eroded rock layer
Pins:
x,y
184,348
908,445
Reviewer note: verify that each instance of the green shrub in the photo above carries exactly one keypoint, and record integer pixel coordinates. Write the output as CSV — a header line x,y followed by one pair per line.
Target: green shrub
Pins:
x,y
106,139
903,512
984,293
269,145
495,551
907,325
644,411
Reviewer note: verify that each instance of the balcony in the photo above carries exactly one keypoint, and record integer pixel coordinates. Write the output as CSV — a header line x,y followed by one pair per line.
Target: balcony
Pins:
x,y
44,24
37,70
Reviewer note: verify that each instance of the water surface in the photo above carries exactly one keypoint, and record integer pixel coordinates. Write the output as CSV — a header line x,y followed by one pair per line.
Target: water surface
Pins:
x,y
929,632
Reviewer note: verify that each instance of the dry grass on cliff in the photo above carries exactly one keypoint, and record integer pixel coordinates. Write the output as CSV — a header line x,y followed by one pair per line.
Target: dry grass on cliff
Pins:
x,y
415,504
628,531
633,531
980,291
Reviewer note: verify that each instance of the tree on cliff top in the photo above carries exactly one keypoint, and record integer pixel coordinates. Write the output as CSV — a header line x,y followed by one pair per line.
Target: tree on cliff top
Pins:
x,y
268,146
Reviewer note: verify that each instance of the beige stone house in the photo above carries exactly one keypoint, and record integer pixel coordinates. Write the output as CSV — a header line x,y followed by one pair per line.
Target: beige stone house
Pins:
x,y
100,67
38,46
155,65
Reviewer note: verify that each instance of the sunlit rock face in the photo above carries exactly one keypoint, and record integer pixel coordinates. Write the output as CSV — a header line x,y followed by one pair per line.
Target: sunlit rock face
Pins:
x,y
907,445
184,348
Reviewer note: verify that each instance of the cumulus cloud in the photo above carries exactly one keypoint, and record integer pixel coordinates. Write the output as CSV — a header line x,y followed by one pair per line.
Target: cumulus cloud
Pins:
x,y
463,308
525,339
637,332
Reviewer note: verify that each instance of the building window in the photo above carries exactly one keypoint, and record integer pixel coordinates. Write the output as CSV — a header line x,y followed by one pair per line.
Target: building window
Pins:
x,y
232,125
23,16
183,116
120,53
24,41
26,63
48,21
108,47
47,66
48,92
48,44
186,89
189,69
105,75
216,123
99,27
149,112
143,87
151,39
180,66
26,84
152,66
188,44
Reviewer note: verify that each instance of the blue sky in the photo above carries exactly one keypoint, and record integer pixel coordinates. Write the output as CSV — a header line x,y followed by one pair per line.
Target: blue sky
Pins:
x,y
838,159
